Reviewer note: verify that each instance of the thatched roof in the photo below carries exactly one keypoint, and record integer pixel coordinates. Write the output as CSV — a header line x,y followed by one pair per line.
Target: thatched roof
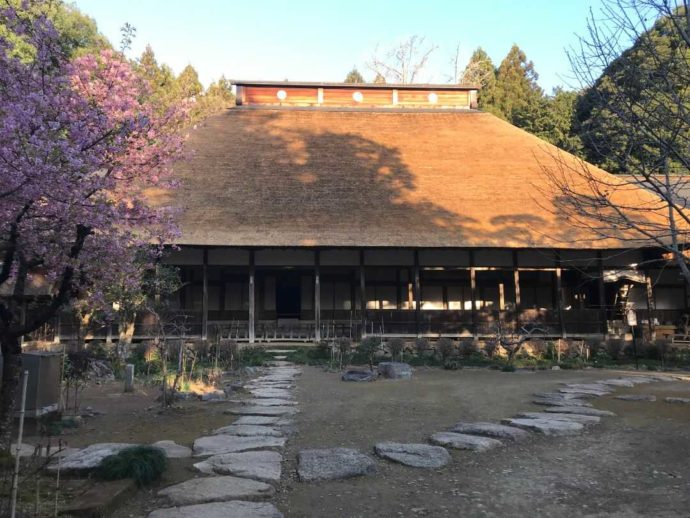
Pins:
x,y
319,177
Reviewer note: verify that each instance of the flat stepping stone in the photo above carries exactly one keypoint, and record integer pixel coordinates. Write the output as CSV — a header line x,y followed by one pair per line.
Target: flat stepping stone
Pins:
x,y
486,429
232,509
88,458
216,489
588,392
271,394
359,375
546,426
100,498
262,410
257,465
249,430
265,420
562,395
618,382
216,444
577,418
579,410
561,402
264,402
680,400
415,455
333,464
463,441
588,386
636,397
279,361
281,351
173,450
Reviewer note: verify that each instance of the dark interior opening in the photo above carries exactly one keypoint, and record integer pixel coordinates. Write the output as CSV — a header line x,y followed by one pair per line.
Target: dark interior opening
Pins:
x,y
288,295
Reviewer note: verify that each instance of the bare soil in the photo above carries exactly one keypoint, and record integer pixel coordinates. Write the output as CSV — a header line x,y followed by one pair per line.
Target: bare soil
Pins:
x,y
636,464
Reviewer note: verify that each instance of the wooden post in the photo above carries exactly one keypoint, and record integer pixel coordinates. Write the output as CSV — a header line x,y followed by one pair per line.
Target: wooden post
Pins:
x,y
252,310
559,301
204,297
317,298
362,296
417,295
473,295
602,297
650,306
516,282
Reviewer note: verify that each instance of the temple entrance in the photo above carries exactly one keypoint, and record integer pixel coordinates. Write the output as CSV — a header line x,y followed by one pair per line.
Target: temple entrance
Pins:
x,y
288,295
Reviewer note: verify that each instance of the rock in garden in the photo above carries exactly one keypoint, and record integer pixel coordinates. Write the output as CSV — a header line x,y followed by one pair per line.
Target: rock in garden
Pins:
x,y
215,444
462,441
618,382
249,430
333,464
547,426
577,418
264,402
561,395
257,465
88,458
486,429
232,509
636,397
588,392
415,455
579,410
395,370
598,387
359,376
215,395
270,393
560,402
262,410
173,450
216,489
681,400
266,420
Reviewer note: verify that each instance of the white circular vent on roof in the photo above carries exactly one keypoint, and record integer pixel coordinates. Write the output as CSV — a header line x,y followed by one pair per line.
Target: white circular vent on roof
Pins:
x,y
357,97
281,95
433,98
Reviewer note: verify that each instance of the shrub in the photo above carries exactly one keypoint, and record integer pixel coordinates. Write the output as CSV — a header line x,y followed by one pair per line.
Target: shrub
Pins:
x,y
452,365
368,348
396,347
143,464
508,368
468,348
614,347
490,347
98,349
421,345
445,348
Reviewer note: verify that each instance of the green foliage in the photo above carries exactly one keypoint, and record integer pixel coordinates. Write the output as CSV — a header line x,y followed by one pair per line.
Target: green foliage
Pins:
x,y
310,355
354,77
396,347
143,464
368,348
480,71
254,356
517,92
445,348
421,345
508,368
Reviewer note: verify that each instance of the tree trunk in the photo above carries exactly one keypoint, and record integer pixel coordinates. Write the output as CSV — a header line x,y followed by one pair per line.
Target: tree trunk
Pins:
x,y
126,333
11,370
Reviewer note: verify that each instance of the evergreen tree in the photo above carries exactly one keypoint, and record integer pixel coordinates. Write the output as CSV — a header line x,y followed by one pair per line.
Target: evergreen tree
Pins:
x,y
354,77
379,79
480,71
188,83
518,96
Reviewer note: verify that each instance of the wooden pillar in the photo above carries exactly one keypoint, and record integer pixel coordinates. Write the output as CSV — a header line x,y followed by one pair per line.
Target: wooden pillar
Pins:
x,y
650,306
317,297
204,297
251,326
516,283
559,301
362,296
473,295
417,295
602,296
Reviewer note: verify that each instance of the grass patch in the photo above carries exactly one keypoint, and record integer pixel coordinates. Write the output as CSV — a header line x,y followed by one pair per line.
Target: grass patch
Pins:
x,y
143,464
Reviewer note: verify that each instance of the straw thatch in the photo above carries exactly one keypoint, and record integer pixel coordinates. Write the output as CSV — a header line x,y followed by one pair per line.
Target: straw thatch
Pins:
x,y
317,177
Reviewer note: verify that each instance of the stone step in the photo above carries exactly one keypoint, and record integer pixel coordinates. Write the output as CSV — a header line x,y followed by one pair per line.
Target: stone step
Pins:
x,y
216,489
216,444
494,430
257,465
546,426
100,499
232,509
463,441
414,455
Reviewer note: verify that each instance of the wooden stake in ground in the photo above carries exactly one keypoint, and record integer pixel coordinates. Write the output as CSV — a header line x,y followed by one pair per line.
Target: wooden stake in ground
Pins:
x,y
20,437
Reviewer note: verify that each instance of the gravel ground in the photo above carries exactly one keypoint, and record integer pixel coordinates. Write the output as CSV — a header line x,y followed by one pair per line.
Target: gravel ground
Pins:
x,y
632,465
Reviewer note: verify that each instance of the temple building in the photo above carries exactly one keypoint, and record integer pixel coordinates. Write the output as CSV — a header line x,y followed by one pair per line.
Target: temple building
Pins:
x,y
313,210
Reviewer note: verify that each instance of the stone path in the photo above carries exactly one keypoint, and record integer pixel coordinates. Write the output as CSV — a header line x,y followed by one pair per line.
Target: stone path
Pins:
x,y
243,459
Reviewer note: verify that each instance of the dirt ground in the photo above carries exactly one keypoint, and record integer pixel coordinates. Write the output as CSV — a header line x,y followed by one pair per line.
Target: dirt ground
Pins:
x,y
637,464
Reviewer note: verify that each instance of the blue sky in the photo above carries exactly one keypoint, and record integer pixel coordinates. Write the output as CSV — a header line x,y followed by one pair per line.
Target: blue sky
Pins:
x,y
321,40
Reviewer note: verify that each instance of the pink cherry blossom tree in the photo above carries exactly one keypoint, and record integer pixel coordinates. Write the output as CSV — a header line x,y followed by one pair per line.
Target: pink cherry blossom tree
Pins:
x,y
80,149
